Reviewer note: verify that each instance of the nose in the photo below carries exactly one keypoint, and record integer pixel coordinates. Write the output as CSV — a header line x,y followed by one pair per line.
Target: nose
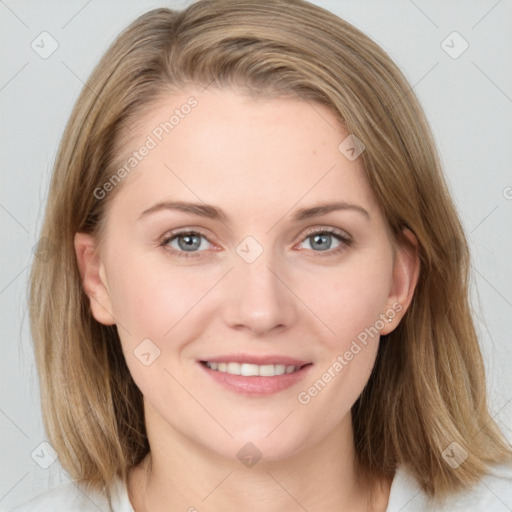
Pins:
x,y
258,297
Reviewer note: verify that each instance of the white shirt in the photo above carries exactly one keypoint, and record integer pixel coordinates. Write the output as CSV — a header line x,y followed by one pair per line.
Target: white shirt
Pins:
x,y
492,494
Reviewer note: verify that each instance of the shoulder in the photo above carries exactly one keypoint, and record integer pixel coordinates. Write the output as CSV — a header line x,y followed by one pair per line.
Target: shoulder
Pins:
x,y
493,493
75,497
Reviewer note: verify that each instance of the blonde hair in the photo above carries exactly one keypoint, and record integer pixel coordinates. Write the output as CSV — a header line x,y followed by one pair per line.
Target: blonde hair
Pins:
x,y
427,389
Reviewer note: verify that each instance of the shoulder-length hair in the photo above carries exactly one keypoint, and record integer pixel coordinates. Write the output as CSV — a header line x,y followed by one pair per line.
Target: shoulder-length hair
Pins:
x,y
427,389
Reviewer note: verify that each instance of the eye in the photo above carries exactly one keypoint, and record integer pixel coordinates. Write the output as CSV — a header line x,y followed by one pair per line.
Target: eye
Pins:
x,y
185,243
189,244
322,241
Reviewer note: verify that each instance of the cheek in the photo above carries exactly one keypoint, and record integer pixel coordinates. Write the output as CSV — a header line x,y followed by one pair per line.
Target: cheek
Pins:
x,y
153,300
153,304
355,297
146,295
351,306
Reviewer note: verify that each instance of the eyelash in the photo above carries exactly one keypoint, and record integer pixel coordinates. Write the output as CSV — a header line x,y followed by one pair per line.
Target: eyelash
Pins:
x,y
345,240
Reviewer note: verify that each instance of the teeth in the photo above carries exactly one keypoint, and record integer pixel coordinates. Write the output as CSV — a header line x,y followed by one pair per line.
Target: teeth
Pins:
x,y
233,368
279,369
252,370
267,370
249,370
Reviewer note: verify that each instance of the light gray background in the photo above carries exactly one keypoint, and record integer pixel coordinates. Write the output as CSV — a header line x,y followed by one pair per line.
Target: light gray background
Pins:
x,y
468,101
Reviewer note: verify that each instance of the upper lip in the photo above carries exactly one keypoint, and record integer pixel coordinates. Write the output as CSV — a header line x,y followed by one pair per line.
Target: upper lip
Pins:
x,y
254,359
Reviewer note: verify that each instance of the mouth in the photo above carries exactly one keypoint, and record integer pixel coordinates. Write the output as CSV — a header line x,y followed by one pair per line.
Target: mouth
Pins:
x,y
255,375
252,370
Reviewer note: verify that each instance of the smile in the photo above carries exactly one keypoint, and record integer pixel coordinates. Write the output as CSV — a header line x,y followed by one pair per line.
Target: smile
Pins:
x,y
244,376
252,370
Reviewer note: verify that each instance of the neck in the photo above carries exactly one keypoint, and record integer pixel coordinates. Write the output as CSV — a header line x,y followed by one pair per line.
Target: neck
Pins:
x,y
183,475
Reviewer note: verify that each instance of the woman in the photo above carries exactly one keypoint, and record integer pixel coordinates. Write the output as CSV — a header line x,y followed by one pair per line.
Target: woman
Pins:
x,y
260,295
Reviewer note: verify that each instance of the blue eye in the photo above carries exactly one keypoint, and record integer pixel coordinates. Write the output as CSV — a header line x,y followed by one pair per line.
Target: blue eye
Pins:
x,y
322,240
188,242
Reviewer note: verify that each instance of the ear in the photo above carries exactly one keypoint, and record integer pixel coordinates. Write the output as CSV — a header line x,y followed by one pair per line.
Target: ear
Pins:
x,y
92,273
406,269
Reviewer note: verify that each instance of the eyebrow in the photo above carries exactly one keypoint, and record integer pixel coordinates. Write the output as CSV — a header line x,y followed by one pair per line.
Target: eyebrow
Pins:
x,y
212,212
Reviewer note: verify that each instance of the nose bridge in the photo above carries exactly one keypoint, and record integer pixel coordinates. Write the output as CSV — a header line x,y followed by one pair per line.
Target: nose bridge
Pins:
x,y
259,300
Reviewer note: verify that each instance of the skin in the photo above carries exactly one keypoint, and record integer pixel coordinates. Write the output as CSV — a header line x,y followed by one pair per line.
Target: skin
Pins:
x,y
259,160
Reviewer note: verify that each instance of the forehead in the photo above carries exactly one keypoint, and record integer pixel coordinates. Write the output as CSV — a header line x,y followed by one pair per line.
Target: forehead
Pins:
x,y
223,146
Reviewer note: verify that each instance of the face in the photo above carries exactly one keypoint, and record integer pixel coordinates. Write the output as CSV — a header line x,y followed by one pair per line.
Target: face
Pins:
x,y
253,278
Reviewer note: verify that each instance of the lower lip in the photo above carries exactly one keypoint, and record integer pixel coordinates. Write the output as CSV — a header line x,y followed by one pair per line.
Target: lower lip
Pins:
x,y
254,385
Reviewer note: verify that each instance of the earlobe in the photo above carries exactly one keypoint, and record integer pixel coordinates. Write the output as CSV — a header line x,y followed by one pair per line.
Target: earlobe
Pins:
x,y
406,271
93,278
